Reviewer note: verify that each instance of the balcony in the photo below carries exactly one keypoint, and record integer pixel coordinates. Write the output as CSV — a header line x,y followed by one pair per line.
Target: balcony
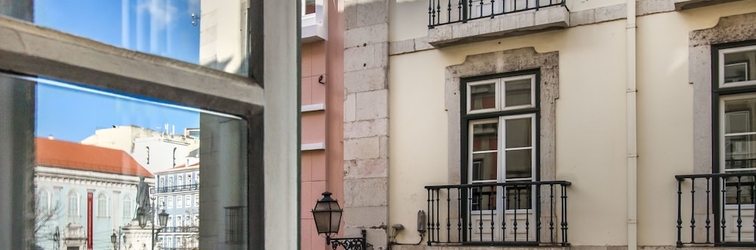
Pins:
x,y
175,188
453,22
511,213
314,20
716,209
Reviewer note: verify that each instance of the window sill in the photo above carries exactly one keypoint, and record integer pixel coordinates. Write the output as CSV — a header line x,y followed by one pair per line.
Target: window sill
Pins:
x,y
521,23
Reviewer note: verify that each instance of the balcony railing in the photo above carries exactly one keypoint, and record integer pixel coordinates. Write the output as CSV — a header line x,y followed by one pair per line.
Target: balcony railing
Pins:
x,y
441,12
716,209
511,213
189,229
175,188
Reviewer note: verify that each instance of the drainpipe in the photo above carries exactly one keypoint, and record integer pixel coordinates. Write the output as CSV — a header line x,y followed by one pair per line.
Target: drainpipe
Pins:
x,y
632,148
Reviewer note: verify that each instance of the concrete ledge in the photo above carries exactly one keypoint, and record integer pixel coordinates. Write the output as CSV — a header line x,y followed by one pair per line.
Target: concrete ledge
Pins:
x,y
313,146
692,4
313,107
515,24
33,50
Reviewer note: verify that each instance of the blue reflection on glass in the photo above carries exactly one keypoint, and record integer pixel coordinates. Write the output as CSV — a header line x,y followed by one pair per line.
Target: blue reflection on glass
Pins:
x,y
160,27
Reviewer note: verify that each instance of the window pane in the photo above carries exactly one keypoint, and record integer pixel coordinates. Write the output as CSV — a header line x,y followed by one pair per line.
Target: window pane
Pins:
x,y
484,198
309,6
740,66
739,151
485,136
482,96
739,115
517,93
519,163
484,166
90,152
519,197
745,184
167,28
519,132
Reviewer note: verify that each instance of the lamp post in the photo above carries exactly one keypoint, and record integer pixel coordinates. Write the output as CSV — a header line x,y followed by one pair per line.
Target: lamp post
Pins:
x,y
56,238
143,215
327,214
113,239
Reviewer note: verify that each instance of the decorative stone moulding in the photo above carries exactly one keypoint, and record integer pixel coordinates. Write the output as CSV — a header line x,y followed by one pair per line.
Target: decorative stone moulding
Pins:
x,y
692,4
515,24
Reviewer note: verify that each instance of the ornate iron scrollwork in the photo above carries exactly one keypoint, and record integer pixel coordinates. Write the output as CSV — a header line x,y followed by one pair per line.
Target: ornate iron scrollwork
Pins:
x,y
348,243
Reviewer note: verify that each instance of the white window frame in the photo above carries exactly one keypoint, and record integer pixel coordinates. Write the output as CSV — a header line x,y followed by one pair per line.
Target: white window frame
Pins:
x,y
179,201
187,200
497,90
169,202
127,206
721,67
48,201
196,200
722,129
102,207
76,209
500,102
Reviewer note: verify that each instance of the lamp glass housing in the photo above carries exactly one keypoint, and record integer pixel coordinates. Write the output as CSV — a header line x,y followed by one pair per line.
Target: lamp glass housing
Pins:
x,y
327,214
113,238
163,218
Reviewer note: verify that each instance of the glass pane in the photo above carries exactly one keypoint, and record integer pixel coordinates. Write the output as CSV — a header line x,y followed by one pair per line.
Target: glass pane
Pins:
x,y
167,28
309,7
517,93
519,197
740,66
739,115
484,166
519,163
739,151
483,198
482,96
485,136
519,132
745,186
99,155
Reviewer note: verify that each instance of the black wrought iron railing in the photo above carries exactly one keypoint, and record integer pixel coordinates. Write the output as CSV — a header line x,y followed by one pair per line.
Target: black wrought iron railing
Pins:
x,y
442,12
716,209
175,188
511,213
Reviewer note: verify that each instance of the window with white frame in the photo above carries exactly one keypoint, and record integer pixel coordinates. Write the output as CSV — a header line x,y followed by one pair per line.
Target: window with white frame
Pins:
x,y
179,180
43,201
127,206
179,202
169,221
102,205
196,200
161,203
162,181
73,203
189,179
170,202
734,90
501,116
187,201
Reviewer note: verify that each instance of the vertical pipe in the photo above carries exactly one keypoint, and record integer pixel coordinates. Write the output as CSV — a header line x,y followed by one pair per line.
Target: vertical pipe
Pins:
x,y
632,149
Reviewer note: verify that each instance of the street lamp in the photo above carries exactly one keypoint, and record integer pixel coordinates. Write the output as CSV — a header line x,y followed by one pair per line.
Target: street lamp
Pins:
x,y
143,216
327,214
113,238
56,238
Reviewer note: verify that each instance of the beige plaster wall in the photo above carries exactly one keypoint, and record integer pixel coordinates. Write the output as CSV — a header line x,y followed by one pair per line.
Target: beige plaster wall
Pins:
x,y
590,118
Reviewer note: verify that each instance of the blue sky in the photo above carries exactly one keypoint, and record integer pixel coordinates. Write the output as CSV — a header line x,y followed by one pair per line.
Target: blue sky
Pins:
x,y
161,27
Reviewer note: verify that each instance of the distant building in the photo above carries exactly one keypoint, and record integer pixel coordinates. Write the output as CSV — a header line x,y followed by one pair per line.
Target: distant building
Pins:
x,y
84,192
178,193
154,150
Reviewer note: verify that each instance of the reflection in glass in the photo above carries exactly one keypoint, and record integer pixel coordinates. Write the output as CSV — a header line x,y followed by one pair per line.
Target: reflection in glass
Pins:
x,y
482,96
740,137
740,190
484,198
160,27
484,166
517,92
309,7
519,197
519,132
519,163
485,136
90,161
740,66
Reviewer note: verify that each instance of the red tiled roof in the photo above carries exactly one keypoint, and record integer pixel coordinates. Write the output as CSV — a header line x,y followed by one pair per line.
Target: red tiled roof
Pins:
x,y
78,156
184,165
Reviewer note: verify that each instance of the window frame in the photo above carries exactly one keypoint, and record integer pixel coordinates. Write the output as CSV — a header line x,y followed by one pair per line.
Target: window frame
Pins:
x,y
467,117
75,209
102,209
720,93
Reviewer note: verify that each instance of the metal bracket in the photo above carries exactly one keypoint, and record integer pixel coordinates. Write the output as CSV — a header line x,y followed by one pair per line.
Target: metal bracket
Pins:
x,y
349,243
